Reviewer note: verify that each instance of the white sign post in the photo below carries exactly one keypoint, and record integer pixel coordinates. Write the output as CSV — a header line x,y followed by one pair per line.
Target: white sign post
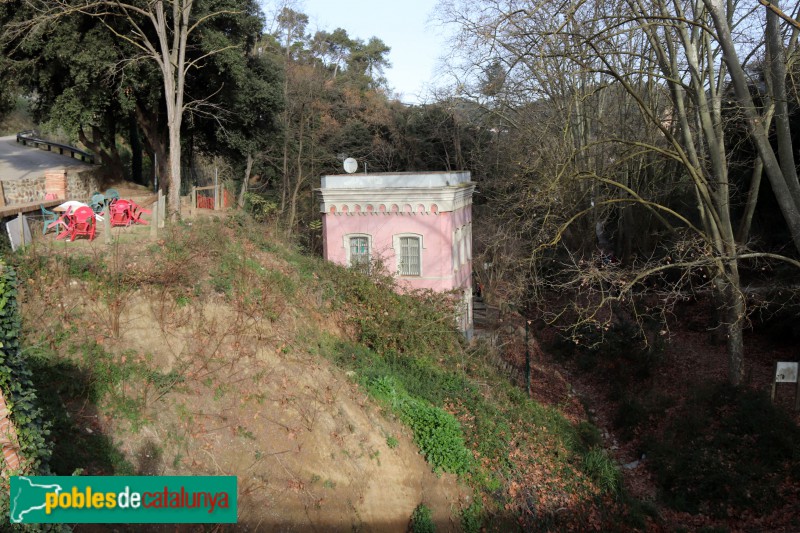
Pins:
x,y
786,372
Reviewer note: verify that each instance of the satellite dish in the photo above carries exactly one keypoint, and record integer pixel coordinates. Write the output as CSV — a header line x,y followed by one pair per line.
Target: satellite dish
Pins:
x,y
350,165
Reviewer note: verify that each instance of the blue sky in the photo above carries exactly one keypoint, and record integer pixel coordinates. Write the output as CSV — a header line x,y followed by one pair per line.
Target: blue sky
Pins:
x,y
417,42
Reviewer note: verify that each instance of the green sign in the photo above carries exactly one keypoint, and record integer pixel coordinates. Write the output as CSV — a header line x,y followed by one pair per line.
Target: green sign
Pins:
x,y
123,499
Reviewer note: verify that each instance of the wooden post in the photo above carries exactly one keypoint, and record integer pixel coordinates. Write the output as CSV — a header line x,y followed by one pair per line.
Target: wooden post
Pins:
x,y
194,199
107,225
2,195
162,209
774,382
154,220
21,230
216,190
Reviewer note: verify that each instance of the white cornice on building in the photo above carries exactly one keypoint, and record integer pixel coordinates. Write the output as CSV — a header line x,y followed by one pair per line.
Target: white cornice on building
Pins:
x,y
396,180
364,194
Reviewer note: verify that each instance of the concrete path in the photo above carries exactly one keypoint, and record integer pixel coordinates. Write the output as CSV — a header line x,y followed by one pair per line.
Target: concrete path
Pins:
x,y
18,161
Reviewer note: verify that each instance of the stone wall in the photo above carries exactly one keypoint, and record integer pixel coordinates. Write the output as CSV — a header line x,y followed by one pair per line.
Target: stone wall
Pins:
x,y
22,191
80,185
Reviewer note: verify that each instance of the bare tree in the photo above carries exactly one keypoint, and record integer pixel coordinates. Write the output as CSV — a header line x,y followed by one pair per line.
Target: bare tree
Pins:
x,y
629,86
160,31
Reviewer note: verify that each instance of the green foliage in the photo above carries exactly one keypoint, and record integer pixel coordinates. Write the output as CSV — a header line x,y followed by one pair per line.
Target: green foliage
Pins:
x,y
392,442
438,435
19,118
436,432
726,447
16,381
506,421
259,207
601,468
472,517
224,273
84,267
419,323
282,283
422,520
589,434
22,400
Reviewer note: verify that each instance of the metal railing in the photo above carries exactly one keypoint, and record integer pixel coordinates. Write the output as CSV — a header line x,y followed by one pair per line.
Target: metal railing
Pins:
x,y
30,137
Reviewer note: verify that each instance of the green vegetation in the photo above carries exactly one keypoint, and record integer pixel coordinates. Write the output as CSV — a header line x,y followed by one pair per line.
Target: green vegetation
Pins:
x,y
33,426
422,520
260,208
436,432
472,517
602,469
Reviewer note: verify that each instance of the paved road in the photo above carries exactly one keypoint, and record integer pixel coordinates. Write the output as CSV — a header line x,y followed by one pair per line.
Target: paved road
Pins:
x,y
18,161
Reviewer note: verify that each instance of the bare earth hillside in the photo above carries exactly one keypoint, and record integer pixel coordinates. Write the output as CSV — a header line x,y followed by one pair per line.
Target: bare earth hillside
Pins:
x,y
193,377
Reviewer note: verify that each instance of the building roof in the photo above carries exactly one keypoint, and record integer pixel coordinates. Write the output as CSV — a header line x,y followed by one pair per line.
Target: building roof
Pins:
x,y
397,180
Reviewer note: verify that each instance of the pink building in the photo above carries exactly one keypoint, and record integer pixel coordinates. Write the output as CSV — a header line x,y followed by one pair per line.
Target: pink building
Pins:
x,y
418,224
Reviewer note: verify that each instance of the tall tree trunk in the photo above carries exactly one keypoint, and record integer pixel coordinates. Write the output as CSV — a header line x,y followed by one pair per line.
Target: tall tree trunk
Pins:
x,y
286,120
246,180
743,234
174,180
172,61
746,223
285,176
777,74
783,195
734,322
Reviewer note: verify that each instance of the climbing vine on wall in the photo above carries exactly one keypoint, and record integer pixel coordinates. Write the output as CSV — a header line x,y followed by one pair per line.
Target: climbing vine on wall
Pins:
x,y
15,381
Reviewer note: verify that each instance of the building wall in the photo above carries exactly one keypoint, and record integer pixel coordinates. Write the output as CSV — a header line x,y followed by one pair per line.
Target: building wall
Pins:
x,y
435,228
384,207
79,185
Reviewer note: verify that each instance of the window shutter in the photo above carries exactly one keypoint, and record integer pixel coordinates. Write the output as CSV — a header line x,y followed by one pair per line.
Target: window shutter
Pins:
x,y
409,256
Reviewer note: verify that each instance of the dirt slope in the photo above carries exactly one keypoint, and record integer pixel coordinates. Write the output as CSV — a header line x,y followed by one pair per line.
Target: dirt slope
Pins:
x,y
214,384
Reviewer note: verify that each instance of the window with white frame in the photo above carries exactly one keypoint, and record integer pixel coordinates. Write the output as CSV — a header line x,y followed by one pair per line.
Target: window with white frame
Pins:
x,y
359,251
410,256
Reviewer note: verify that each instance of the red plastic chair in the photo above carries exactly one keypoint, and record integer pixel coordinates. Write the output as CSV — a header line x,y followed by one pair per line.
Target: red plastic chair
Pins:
x,y
83,223
136,213
64,222
120,213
